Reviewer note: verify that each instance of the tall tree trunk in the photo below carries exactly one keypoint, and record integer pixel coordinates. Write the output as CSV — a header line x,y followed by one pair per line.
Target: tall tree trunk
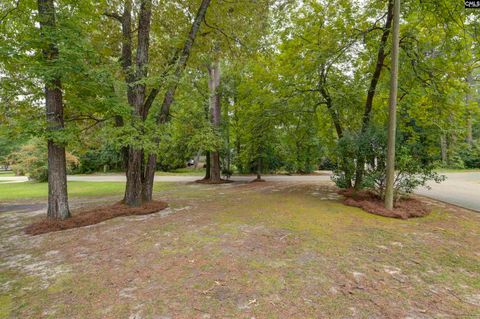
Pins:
x,y
470,129
126,61
127,44
238,149
197,159
392,118
329,103
215,109
134,188
372,90
259,167
207,166
164,113
57,168
469,111
124,150
215,172
336,122
444,149
207,153
451,142
227,142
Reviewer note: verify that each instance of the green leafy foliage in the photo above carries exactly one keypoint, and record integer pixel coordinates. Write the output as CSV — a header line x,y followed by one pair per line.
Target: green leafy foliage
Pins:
x,y
31,160
290,70
411,171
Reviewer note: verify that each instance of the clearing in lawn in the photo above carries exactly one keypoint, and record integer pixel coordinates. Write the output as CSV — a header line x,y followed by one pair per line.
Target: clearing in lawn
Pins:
x,y
263,250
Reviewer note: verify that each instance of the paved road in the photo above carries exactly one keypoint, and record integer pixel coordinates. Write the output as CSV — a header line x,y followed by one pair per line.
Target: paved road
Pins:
x,y
461,189
12,179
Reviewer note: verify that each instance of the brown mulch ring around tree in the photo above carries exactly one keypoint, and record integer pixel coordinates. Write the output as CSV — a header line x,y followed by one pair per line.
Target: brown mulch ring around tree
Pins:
x,y
208,181
257,180
404,208
93,216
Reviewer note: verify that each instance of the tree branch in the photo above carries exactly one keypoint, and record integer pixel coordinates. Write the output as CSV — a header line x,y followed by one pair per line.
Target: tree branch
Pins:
x,y
114,16
7,13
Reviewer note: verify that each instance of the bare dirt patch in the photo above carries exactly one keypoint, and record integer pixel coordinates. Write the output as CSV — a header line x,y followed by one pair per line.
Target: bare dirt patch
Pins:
x,y
262,250
404,209
93,216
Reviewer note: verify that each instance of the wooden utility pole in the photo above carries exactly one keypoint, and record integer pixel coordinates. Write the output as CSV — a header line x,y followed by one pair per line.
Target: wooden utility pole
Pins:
x,y
392,118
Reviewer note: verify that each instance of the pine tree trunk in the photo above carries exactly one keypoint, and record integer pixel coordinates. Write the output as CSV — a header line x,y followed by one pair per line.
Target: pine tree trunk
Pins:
x,y
227,133
57,168
214,86
392,119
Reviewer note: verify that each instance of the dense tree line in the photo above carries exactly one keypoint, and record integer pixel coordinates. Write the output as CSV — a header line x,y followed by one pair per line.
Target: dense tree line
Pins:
x,y
255,86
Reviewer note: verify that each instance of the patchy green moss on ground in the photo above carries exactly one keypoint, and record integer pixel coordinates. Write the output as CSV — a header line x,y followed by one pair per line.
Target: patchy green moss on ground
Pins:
x,y
263,250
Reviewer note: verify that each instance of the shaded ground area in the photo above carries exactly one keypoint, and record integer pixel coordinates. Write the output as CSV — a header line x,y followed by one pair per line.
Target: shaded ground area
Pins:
x,y
263,250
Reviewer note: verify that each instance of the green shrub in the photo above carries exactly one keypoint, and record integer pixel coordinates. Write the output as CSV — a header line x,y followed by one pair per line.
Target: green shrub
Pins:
x,y
95,160
471,156
347,152
410,174
411,171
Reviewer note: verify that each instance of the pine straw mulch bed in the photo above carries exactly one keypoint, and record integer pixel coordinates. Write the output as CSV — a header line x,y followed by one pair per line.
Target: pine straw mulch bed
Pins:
x,y
91,216
405,208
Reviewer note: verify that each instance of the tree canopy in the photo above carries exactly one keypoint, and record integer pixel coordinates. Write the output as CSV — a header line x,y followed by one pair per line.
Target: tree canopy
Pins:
x,y
303,84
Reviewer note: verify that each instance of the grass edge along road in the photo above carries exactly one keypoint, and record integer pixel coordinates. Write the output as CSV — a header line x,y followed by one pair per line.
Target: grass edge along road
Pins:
x,y
32,190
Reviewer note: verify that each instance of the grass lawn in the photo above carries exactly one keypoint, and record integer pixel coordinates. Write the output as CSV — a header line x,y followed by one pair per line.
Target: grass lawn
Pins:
x,y
178,172
262,250
31,190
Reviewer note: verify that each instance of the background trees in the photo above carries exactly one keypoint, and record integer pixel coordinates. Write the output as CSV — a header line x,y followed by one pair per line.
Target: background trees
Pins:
x,y
302,86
